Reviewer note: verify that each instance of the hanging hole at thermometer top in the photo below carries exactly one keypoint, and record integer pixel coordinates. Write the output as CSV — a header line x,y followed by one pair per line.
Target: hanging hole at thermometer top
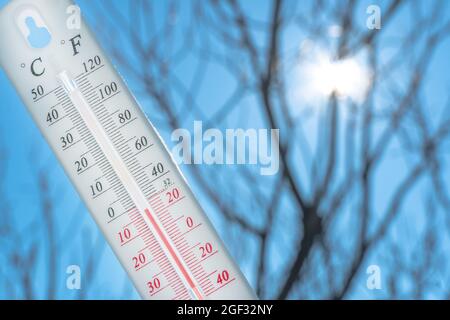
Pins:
x,y
34,29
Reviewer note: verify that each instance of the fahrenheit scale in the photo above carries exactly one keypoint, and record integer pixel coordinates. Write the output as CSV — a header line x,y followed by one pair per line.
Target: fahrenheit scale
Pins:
x,y
114,157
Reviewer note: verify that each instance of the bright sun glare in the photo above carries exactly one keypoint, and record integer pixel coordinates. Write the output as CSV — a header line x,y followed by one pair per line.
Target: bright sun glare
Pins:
x,y
345,77
322,76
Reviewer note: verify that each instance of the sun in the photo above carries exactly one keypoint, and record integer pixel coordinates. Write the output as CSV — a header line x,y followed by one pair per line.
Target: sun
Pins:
x,y
347,78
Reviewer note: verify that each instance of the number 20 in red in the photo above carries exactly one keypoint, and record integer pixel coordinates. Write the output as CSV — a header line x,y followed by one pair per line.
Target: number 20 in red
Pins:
x,y
206,249
139,261
173,195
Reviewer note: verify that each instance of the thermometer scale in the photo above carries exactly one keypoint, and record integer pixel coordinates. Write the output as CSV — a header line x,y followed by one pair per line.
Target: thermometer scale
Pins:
x,y
114,157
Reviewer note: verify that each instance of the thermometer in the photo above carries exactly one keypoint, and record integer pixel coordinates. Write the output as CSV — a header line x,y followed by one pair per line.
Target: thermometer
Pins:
x,y
114,156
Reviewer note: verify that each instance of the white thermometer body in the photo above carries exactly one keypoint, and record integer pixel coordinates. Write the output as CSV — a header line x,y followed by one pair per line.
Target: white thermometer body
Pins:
x,y
114,157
